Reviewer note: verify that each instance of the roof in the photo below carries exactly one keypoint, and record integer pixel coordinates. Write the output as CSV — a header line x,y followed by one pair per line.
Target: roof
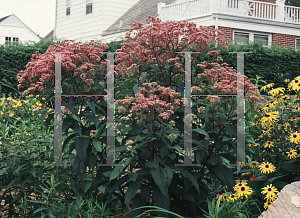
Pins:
x,y
49,35
3,18
138,12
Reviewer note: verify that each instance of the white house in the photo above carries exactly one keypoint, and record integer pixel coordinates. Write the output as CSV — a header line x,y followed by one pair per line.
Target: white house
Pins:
x,y
85,20
267,20
12,29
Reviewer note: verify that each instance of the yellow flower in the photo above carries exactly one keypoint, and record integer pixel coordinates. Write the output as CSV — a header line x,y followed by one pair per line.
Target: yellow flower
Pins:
x,y
9,98
246,173
232,197
276,91
11,115
267,204
19,118
244,191
267,86
292,153
253,145
266,167
295,137
254,164
269,190
271,197
269,144
23,142
18,133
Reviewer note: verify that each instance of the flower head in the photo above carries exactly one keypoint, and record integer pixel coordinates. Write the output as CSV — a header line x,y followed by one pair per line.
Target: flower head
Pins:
x,y
266,167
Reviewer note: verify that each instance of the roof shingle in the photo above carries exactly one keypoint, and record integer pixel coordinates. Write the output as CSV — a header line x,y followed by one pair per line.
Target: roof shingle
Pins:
x,y
138,12
3,18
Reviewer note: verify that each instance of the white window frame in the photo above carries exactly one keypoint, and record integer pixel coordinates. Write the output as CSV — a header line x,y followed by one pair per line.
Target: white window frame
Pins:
x,y
297,38
68,6
251,36
89,3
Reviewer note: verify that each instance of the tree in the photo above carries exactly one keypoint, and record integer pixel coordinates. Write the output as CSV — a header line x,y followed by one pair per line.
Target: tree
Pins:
x,y
292,3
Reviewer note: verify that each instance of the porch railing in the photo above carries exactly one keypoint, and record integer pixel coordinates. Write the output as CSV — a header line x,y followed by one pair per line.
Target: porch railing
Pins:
x,y
247,8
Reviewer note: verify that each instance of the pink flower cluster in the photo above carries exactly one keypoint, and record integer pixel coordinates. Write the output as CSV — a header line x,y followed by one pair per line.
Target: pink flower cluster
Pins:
x,y
143,103
169,36
224,81
78,57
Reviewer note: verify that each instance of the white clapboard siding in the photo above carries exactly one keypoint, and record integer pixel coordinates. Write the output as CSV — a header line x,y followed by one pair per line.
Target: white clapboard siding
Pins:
x,y
80,26
12,26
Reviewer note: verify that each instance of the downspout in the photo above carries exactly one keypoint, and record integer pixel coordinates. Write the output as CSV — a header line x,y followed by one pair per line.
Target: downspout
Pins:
x,y
216,26
54,32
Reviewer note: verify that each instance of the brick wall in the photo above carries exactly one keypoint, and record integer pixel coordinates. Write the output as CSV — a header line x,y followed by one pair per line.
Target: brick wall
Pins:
x,y
228,32
283,40
279,39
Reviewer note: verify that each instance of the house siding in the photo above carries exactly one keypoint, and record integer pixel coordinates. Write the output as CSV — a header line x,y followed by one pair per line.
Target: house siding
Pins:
x,y
13,27
84,27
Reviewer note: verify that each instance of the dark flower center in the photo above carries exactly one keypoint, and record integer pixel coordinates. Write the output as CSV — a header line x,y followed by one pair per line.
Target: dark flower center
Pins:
x,y
296,81
269,189
269,203
267,166
267,115
295,136
232,196
243,189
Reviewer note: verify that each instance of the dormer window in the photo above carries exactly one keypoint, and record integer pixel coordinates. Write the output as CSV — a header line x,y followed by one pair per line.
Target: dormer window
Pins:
x,y
89,6
68,7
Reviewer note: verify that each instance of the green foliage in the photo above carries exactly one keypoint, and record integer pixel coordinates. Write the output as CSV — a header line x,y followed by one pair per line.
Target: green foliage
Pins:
x,y
14,59
272,64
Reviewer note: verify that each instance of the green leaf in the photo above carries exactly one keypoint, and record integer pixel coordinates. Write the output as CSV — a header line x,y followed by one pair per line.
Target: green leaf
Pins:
x,y
133,176
98,145
132,190
86,184
201,131
115,173
224,174
136,89
82,143
160,200
68,139
160,180
187,175
225,138
155,67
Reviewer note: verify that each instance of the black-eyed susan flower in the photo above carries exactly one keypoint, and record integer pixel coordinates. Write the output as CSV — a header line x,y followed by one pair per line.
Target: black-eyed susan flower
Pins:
x,y
269,117
244,191
225,187
292,153
269,144
297,108
240,181
267,204
266,167
271,197
251,145
269,189
246,173
276,91
254,164
267,86
231,197
295,137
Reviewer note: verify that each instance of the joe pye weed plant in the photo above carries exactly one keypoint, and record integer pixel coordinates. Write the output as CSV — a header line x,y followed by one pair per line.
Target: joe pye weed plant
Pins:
x,y
149,113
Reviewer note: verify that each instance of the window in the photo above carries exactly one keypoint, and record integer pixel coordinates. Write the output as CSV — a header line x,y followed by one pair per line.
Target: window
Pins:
x,y
264,39
89,6
7,40
240,37
11,40
68,7
298,44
